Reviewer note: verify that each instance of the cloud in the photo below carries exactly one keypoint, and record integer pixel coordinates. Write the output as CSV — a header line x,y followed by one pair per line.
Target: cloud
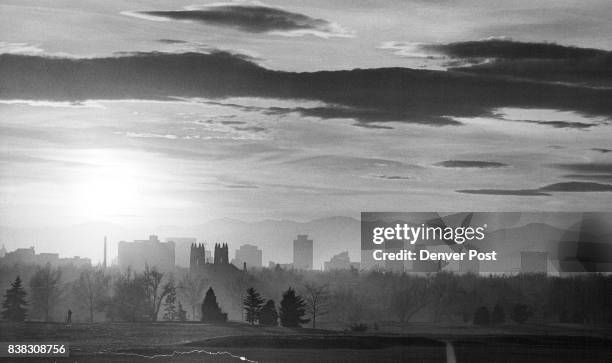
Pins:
x,y
559,124
242,186
367,95
577,187
349,163
53,104
172,41
510,49
250,128
374,126
602,150
573,186
470,164
537,61
391,177
586,167
20,48
251,18
588,171
518,192
361,114
600,177
504,57
407,49
232,122
149,135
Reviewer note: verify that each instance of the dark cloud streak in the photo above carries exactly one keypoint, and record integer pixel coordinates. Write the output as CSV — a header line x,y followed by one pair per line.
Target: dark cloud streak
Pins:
x,y
366,95
586,167
536,61
517,192
471,164
247,18
565,187
510,49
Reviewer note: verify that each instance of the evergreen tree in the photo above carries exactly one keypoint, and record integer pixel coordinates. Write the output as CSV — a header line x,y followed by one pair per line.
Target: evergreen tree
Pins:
x,y
252,305
481,316
170,312
13,306
211,312
268,314
292,310
498,316
182,313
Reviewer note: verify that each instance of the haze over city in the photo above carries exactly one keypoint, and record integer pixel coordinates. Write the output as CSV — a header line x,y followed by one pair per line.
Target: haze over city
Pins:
x,y
429,106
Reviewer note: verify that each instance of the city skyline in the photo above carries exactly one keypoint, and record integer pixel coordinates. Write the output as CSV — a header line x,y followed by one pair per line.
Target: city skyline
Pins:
x,y
179,114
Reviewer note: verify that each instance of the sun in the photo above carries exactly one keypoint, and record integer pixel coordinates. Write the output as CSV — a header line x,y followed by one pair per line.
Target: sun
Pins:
x,y
107,190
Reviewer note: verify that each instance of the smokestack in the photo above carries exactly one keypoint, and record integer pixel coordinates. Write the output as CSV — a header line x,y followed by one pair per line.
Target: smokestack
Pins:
x,y
104,252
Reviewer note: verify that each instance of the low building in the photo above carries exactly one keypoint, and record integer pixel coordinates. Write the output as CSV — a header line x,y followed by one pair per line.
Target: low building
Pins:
x,y
249,254
341,261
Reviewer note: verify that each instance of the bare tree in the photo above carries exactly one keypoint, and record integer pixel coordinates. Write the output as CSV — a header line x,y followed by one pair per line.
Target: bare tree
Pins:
x,y
442,288
317,300
155,291
410,298
92,288
192,288
45,290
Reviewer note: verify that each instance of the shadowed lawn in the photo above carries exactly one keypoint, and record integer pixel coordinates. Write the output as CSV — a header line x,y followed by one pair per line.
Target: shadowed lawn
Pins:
x,y
139,342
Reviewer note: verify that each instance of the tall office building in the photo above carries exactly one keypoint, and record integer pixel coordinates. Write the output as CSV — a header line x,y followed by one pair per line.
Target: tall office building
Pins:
x,y
302,252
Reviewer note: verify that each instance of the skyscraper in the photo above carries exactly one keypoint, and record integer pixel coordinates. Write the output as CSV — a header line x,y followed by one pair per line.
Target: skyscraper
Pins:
x,y
302,252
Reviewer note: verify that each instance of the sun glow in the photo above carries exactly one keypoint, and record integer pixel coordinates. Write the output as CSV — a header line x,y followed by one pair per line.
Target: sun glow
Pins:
x,y
110,190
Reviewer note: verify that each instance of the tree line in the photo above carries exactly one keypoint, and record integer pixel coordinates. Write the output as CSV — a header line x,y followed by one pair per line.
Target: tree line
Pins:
x,y
331,299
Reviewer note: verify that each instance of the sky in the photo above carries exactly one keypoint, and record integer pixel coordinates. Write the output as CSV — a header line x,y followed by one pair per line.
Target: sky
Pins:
x,y
149,113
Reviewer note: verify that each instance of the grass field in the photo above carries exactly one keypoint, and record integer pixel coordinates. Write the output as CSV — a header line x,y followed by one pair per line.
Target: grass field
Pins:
x,y
193,342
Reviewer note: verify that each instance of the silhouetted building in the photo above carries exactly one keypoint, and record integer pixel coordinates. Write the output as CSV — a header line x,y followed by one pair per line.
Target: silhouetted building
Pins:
x,y
23,256
221,256
197,257
249,254
340,261
48,258
2,251
151,252
28,256
302,252
182,251
534,262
